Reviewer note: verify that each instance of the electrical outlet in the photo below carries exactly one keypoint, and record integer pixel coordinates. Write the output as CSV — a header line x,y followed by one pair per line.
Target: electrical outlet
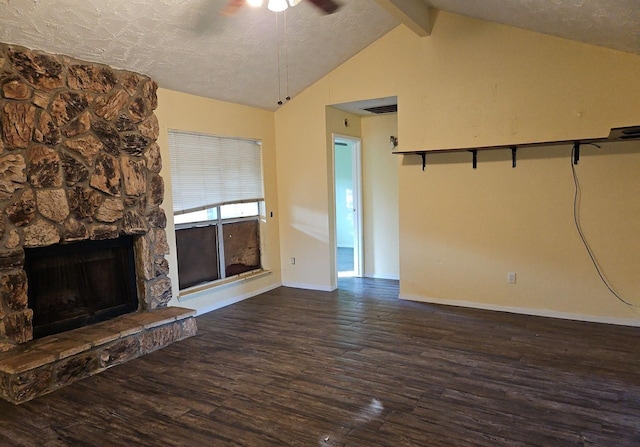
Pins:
x,y
293,261
511,277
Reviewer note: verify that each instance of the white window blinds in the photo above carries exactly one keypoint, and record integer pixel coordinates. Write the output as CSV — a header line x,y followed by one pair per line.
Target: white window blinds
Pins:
x,y
208,171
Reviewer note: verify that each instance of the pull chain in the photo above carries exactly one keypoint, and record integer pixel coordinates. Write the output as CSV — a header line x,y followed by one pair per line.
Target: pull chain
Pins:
x,y
278,59
286,56
286,59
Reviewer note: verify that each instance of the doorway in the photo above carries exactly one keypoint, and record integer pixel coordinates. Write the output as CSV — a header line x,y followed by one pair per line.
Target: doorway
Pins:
x,y
348,205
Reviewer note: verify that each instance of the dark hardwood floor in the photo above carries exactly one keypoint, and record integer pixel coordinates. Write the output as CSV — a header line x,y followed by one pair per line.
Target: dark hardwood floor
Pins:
x,y
355,367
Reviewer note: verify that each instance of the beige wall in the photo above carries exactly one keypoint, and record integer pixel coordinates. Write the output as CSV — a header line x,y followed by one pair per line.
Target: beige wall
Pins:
x,y
380,197
315,263
478,83
301,155
180,111
304,156
464,229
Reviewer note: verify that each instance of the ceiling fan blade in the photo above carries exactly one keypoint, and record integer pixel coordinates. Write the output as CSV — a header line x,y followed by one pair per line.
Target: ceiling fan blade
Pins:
x,y
232,7
326,6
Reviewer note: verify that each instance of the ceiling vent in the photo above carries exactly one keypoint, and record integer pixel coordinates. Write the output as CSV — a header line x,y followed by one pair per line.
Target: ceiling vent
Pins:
x,y
379,110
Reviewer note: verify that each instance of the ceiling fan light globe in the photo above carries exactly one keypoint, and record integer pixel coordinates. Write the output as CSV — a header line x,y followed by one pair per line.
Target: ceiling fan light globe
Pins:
x,y
277,5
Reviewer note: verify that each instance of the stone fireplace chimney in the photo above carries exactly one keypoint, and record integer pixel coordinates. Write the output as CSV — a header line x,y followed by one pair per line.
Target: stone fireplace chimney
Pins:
x,y
78,162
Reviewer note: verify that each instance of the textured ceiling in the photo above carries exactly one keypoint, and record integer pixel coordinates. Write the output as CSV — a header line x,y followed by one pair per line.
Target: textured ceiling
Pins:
x,y
609,23
187,46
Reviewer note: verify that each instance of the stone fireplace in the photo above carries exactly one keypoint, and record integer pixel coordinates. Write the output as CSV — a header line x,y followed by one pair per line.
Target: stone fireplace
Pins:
x,y
79,168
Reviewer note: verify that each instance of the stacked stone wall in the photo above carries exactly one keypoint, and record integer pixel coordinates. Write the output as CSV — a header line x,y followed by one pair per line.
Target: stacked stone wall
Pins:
x,y
78,161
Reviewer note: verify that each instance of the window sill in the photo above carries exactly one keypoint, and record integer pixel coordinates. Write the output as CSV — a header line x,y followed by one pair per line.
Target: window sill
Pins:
x,y
253,274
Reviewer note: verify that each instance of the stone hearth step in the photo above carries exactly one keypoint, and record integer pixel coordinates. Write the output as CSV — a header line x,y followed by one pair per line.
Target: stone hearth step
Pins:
x,y
41,366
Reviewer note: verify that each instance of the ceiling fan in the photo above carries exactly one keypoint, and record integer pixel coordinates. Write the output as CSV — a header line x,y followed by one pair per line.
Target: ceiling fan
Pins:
x,y
325,6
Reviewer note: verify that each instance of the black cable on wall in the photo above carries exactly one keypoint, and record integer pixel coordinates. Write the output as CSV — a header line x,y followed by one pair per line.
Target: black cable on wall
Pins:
x,y
576,219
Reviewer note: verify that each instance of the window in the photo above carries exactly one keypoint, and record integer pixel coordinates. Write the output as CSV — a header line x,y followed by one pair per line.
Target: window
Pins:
x,y
217,192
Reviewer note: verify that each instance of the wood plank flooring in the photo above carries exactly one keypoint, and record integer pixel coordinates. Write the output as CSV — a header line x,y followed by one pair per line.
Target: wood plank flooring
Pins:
x,y
355,367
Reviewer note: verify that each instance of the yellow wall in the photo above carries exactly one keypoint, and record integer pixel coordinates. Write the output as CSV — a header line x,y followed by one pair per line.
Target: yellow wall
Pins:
x,y
380,197
463,230
303,186
180,111
304,157
313,227
478,83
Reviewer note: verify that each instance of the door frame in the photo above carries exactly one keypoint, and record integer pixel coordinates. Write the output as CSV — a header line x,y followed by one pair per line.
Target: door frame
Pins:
x,y
358,235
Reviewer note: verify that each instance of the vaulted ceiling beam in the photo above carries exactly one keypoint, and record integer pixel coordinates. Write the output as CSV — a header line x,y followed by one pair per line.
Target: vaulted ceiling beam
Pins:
x,y
415,14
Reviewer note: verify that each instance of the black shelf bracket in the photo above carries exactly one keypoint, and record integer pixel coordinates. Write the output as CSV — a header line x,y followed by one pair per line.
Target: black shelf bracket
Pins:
x,y
629,133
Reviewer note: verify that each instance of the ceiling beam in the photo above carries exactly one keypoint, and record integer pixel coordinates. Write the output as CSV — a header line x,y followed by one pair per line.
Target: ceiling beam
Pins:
x,y
415,14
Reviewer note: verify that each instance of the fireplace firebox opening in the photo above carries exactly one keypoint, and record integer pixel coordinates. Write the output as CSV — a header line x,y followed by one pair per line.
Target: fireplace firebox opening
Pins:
x,y
79,284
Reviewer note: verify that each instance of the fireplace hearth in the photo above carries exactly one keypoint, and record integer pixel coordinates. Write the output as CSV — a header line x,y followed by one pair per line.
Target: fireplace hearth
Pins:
x,y
83,276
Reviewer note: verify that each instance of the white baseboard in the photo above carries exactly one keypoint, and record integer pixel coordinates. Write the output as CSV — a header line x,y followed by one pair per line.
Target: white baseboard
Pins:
x,y
236,299
525,311
374,276
297,285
